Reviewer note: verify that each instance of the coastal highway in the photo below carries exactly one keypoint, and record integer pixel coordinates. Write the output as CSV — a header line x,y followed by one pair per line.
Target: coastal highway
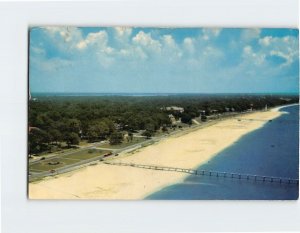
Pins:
x,y
36,174
58,155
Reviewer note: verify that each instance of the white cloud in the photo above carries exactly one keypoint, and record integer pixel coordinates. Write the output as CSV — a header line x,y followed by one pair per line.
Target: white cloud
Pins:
x,y
98,38
265,41
284,47
250,34
37,50
70,40
252,57
201,53
64,36
212,52
280,54
122,33
288,57
96,44
170,49
52,30
248,50
169,41
50,65
210,33
132,53
147,42
81,44
188,45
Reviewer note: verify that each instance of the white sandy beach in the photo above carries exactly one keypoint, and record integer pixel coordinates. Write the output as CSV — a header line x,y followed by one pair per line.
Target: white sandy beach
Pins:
x,y
185,151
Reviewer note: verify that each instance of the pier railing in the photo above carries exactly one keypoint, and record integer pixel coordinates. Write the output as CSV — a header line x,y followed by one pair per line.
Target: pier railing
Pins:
x,y
228,175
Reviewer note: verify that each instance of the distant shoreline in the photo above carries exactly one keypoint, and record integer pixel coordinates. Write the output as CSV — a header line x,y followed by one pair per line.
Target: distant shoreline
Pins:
x,y
95,94
284,106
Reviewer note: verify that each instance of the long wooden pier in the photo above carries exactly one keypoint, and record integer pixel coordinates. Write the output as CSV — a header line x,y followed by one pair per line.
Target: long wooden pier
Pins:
x,y
228,175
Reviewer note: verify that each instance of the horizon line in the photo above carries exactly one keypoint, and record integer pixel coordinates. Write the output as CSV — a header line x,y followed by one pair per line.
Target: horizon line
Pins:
x,y
58,92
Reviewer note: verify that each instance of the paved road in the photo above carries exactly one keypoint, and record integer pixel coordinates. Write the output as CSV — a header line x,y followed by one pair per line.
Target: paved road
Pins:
x,y
81,148
86,162
80,163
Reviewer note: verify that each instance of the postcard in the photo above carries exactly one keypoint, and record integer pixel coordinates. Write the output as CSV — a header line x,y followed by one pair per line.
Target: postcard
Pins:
x,y
132,113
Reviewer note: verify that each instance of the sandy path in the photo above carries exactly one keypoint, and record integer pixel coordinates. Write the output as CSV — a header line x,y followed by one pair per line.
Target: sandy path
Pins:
x,y
185,151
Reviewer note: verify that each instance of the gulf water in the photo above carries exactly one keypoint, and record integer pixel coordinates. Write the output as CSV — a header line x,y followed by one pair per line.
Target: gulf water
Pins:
x,y
272,150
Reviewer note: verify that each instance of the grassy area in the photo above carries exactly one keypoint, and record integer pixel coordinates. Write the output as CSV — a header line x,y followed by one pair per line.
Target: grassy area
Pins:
x,y
159,133
85,154
44,166
83,143
62,149
125,143
64,160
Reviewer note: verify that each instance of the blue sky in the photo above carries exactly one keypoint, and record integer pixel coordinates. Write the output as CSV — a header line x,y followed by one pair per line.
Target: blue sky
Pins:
x,y
163,60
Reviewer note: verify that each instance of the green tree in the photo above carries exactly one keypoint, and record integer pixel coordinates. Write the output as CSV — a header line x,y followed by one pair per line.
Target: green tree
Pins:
x,y
186,118
55,135
203,118
164,129
73,126
110,124
130,135
148,134
116,138
103,129
92,133
72,139
98,129
150,127
37,141
54,115
43,121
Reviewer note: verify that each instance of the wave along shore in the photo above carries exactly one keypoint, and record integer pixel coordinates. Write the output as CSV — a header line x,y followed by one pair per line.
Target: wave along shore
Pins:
x,y
117,182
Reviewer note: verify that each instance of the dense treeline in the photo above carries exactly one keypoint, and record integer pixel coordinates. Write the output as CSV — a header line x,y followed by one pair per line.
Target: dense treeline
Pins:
x,y
69,119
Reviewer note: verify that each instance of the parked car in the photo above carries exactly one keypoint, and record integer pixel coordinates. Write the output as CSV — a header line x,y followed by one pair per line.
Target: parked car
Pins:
x,y
108,154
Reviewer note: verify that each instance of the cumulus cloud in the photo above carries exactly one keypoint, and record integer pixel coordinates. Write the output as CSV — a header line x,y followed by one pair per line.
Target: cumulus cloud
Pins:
x,y
65,37
212,52
170,49
122,33
265,41
169,41
210,33
147,42
250,34
188,45
99,38
250,56
125,52
37,50
132,53
284,47
52,65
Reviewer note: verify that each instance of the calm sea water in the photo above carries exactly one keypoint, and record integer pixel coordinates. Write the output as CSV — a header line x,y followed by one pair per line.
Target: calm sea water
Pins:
x,y
272,150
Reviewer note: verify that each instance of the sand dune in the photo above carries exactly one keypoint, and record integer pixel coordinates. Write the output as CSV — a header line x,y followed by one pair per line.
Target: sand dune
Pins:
x,y
185,151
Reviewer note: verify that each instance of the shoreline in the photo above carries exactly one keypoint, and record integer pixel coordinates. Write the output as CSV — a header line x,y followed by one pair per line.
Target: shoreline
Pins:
x,y
187,150
284,106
